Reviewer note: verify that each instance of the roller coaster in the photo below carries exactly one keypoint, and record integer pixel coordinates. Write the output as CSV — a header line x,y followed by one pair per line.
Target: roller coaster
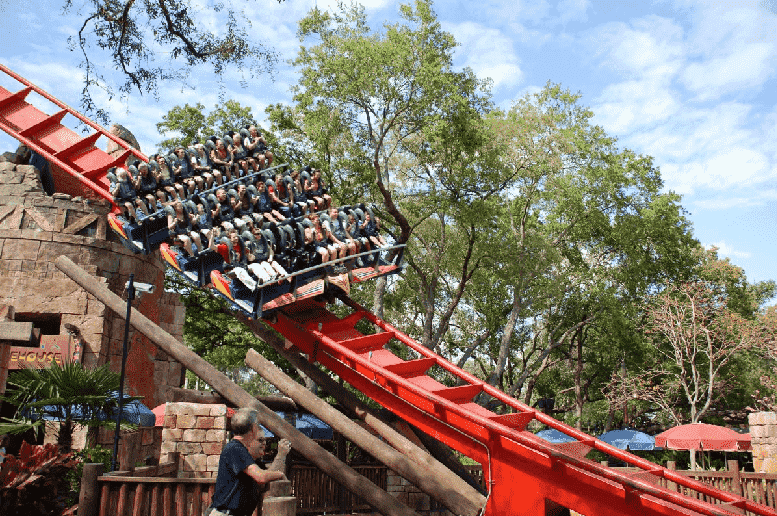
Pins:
x,y
524,474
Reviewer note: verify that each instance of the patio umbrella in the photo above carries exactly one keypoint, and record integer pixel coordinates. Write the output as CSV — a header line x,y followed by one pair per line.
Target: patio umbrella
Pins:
x,y
554,436
633,439
701,436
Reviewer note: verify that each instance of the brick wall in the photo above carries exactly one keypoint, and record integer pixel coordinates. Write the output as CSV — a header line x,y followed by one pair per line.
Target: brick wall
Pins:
x,y
763,435
198,432
35,229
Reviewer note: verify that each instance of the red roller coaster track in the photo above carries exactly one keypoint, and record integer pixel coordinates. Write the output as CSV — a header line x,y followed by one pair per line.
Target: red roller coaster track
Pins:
x,y
524,474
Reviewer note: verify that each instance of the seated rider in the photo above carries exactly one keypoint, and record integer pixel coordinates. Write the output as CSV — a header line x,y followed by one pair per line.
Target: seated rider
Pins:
x,y
370,229
124,193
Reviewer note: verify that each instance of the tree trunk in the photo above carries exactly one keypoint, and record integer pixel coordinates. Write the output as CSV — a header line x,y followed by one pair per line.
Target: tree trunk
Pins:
x,y
378,296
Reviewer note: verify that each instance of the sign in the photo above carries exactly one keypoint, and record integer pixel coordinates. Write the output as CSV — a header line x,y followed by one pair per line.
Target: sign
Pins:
x,y
53,348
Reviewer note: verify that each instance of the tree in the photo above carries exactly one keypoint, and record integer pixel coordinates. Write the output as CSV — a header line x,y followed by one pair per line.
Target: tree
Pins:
x,y
698,327
69,393
585,228
366,101
189,121
152,42
192,124
211,331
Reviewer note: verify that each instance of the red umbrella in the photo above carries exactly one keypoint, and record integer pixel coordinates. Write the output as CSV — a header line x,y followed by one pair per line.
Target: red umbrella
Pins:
x,y
700,436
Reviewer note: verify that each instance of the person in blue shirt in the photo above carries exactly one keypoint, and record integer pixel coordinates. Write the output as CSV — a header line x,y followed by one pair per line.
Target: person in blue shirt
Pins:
x,y
241,483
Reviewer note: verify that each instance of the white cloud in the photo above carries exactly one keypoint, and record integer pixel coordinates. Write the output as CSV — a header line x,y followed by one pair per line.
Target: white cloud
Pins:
x,y
744,67
488,52
647,47
726,250
573,10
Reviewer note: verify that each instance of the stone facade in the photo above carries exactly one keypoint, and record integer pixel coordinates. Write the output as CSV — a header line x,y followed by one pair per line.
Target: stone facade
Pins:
x,y
763,436
35,229
198,432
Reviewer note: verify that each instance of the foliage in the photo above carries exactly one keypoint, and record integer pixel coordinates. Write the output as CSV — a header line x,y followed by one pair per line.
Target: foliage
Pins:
x,y
153,42
70,394
212,331
98,454
697,328
193,124
35,481
366,98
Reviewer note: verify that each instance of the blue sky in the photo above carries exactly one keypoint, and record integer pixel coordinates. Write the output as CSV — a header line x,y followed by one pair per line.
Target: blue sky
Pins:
x,y
692,84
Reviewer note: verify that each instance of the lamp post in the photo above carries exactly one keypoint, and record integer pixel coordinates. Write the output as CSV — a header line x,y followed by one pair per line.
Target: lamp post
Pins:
x,y
116,435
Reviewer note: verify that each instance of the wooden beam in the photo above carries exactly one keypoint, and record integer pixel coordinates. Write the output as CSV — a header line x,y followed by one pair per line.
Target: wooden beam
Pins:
x,y
341,472
440,488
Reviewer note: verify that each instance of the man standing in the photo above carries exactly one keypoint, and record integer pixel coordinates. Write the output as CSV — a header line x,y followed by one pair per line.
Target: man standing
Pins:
x,y
241,482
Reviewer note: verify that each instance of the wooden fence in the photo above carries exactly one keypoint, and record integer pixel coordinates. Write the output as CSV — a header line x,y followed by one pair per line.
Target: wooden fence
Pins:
x,y
757,487
139,493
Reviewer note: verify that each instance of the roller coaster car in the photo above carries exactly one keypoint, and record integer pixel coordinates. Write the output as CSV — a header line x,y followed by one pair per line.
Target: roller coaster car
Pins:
x,y
143,236
307,283
195,270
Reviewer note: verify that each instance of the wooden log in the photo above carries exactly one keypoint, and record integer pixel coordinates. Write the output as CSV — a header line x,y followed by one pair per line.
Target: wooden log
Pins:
x,y
180,500
281,403
129,451
344,474
433,467
279,506
736,478
427,481
89,496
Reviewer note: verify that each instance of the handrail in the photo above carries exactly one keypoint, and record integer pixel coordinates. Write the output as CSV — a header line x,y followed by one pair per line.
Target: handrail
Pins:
x,y
82,118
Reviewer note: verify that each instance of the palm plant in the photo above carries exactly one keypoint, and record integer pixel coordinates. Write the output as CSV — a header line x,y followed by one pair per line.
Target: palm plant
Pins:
x,y
68,393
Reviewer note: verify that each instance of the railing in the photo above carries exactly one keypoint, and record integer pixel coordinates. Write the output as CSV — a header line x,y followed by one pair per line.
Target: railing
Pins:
x,y
757,487
119,494
135,493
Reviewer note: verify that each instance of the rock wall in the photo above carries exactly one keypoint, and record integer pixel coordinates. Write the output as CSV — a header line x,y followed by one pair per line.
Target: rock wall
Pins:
x,y
763,437
198,432
35,229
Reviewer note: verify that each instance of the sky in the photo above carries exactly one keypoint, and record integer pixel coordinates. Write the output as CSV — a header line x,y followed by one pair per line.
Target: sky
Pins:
x,y
691,83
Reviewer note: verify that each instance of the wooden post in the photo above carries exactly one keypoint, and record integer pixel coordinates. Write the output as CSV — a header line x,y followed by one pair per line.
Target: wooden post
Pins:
x,y
89,496
736,478
129,451
347,476
431,466
671,465
418,475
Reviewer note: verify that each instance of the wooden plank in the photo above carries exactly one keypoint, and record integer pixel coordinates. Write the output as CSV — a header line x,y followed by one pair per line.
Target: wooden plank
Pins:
x,y
104,499
180,501
197,499
88,497
121,506
155,499
167,501
80,224
137,503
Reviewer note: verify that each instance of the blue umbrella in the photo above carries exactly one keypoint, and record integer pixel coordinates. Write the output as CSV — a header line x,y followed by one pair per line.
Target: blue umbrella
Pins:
x,y
634,439
308,424
554,436
133,412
